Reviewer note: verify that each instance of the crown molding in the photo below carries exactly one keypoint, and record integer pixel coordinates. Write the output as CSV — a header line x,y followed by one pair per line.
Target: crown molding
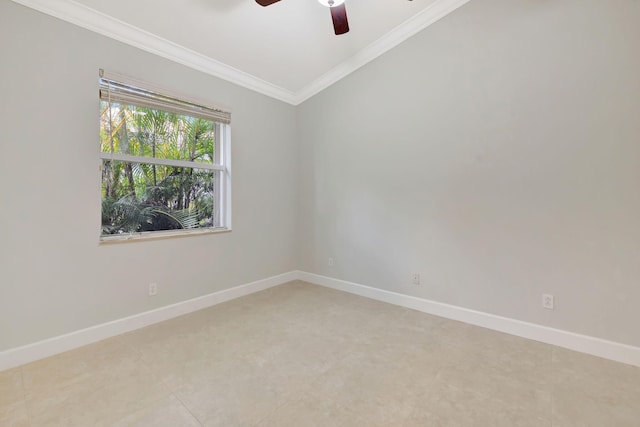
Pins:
x,y
434,12
98,22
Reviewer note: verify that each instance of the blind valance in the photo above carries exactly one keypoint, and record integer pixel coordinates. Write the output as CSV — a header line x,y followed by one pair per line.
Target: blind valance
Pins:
x,y
131,93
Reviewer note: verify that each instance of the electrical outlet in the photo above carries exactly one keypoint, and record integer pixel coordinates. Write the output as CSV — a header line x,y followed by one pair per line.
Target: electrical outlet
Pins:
x,y
330,262
153,289
415,279
547,301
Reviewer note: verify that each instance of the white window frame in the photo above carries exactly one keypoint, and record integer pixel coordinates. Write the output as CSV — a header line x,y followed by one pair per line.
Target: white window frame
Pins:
x,y
221,162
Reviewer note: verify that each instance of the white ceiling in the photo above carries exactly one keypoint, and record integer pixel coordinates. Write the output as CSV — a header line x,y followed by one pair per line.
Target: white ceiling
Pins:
x,y
287,50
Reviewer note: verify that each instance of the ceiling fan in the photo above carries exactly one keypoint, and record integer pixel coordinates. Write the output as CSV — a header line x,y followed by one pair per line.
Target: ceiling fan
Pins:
x,y
338,13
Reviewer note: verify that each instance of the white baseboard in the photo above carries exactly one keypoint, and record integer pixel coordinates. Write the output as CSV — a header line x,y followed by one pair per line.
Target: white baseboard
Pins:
x,y
582,343
41,349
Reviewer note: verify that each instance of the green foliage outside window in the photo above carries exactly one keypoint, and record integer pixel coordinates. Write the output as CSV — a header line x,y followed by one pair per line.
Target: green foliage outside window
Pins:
x,y
140,195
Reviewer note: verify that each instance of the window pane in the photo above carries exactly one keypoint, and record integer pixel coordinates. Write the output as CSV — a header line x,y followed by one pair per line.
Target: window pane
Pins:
x,y
140,131
138,197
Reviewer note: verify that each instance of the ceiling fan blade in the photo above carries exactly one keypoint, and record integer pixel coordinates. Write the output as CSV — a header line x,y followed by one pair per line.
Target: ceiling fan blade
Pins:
x,y
339,17
266,2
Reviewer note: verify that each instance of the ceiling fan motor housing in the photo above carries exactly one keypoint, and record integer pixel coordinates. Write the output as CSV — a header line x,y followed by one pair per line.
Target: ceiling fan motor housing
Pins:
x,y
338,13
331,3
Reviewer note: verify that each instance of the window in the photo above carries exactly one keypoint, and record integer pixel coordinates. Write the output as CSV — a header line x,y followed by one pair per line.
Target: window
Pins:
x,y
165,162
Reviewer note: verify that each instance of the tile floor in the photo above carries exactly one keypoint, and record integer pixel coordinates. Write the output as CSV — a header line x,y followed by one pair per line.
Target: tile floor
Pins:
x,y
302,355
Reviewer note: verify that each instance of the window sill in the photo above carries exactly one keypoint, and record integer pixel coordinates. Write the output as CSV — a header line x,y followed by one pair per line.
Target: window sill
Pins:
x,y
155,235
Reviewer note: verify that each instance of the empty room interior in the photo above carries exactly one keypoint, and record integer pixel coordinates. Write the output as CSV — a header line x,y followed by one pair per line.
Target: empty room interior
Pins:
x,y
320,213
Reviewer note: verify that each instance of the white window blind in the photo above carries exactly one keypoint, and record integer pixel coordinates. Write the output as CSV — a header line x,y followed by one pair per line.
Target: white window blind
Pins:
x,y
119,89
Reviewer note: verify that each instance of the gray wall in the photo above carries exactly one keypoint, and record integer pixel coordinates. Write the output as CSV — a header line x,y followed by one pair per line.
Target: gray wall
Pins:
x,y
496,153
54,275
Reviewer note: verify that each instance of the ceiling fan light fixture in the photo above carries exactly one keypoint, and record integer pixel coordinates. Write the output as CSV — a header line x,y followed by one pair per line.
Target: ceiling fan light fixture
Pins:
x,y
331,3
